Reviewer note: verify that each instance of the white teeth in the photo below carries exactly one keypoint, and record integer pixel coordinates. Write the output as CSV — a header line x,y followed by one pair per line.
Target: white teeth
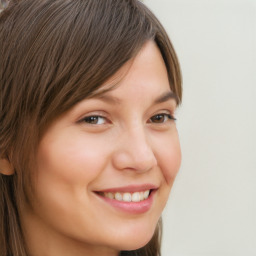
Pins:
x,y
141,196
146,194
136,197
118,196
128,197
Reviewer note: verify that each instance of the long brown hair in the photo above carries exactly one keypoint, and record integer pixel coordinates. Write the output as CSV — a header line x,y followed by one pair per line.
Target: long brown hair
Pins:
x,y
53,55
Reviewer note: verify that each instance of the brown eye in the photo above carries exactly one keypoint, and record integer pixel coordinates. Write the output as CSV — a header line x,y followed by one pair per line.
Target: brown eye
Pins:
x,y
158,118
94,120
161,118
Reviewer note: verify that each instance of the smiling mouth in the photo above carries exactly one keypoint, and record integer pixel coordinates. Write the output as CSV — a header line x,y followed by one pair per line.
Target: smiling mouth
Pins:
x,y
130,199
127,196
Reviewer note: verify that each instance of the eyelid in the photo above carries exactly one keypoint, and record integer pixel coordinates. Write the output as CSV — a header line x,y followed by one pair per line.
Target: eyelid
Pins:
x,y
99,114
167,113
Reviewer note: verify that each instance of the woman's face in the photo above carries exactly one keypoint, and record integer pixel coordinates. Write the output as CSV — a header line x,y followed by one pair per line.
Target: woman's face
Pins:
x,y
106,167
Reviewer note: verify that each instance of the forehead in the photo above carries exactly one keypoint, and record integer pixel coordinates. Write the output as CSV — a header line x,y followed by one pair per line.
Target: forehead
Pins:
x,y
146,71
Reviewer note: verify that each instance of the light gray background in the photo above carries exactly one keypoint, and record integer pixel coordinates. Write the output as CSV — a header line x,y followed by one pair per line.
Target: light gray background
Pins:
x,y
212,208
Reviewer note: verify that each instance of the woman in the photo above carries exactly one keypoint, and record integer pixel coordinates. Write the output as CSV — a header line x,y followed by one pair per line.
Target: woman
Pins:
x,y
88,144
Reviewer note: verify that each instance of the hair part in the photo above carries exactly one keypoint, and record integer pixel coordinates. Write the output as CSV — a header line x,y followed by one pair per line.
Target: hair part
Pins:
x,y
53,55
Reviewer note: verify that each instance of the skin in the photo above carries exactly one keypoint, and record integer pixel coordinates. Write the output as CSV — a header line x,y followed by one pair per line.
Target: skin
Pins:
x,y
125,146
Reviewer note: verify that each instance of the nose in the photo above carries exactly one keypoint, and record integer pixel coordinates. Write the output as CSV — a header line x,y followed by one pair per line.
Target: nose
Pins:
x,y
134,152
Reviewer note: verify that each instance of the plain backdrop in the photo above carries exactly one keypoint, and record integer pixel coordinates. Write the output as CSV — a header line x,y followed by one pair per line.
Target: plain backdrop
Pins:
x,y
212,207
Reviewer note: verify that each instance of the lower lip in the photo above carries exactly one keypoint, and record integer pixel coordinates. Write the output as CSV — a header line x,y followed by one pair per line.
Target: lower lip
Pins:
x,y
131,207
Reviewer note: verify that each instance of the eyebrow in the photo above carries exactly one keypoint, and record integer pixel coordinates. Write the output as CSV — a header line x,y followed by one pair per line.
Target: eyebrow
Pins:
x,y
108,99
166,96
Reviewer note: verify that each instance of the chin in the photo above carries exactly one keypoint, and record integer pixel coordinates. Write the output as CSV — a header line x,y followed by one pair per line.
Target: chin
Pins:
x,y
131,246
136,239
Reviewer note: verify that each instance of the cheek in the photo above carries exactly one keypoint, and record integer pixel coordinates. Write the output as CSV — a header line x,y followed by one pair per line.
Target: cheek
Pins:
x,y
71,160
169,158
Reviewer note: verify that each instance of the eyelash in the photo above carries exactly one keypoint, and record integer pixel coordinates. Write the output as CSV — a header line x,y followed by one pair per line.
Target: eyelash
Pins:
x,y
91,119
161,115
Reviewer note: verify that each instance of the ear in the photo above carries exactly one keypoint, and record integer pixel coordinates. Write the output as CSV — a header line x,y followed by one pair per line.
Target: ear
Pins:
x,y
6,167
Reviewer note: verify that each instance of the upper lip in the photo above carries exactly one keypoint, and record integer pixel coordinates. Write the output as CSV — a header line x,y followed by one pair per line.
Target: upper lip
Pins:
x,y
131,188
